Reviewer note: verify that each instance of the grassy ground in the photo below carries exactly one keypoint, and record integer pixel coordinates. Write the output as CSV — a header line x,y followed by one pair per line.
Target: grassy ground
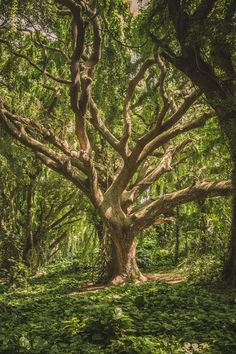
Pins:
x,y
55,313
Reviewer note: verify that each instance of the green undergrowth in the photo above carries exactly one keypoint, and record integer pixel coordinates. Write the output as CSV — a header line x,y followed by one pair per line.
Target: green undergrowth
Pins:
x,y
50,315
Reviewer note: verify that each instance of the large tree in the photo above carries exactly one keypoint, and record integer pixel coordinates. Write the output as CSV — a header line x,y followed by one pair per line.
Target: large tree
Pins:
x,y
130,133
198,38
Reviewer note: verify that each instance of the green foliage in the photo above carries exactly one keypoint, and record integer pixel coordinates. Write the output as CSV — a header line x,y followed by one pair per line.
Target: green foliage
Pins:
x,y
41,215
53,316
205,270
106,324
18,274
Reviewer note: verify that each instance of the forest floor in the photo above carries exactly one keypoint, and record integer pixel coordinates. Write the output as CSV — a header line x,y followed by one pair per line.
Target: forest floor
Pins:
x,y
170,278
54,314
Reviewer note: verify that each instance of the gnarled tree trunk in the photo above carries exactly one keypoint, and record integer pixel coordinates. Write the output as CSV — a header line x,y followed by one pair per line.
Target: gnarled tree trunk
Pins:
x,y
123,266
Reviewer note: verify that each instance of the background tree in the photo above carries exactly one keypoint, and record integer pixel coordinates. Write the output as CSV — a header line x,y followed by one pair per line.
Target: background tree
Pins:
x,y
38,208
198,38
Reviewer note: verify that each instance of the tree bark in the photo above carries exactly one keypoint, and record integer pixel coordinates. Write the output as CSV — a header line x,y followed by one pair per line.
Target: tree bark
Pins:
x,y
31,252
29,241
177,236
106,252
27,252
123,266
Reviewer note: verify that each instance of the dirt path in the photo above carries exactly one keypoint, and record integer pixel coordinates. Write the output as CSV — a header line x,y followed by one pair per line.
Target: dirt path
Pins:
x,y
170,278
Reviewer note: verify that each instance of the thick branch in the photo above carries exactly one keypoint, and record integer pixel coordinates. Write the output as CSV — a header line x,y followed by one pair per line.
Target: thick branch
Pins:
x,y
203,10
147,214
165,99
67,172
81,76
60,163
48,135
179,18
96,52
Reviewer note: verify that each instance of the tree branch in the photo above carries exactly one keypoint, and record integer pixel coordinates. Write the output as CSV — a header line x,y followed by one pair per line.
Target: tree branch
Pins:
x,y
98,123
179,18
66,172
166,136
60,163
62,218
131,89
82,75
203,10
20,55
48,135
165,165
147,214
187,103
159,128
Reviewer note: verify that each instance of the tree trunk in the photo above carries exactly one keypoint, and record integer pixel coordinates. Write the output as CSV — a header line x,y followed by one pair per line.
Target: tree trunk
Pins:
x,y
203,249
222,100
27,252
29,240
105,249
123,266
229,274
32,256
229,127
177,236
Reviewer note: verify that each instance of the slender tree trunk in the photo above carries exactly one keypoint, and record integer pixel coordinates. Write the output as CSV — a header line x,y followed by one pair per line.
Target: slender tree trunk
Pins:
x,y
177,224
229,128
203,229
177,236
31,252
29,242
229,274
27,252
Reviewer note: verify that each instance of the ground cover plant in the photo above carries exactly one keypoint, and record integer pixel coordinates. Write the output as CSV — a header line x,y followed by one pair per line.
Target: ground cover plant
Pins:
x,y
54,313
